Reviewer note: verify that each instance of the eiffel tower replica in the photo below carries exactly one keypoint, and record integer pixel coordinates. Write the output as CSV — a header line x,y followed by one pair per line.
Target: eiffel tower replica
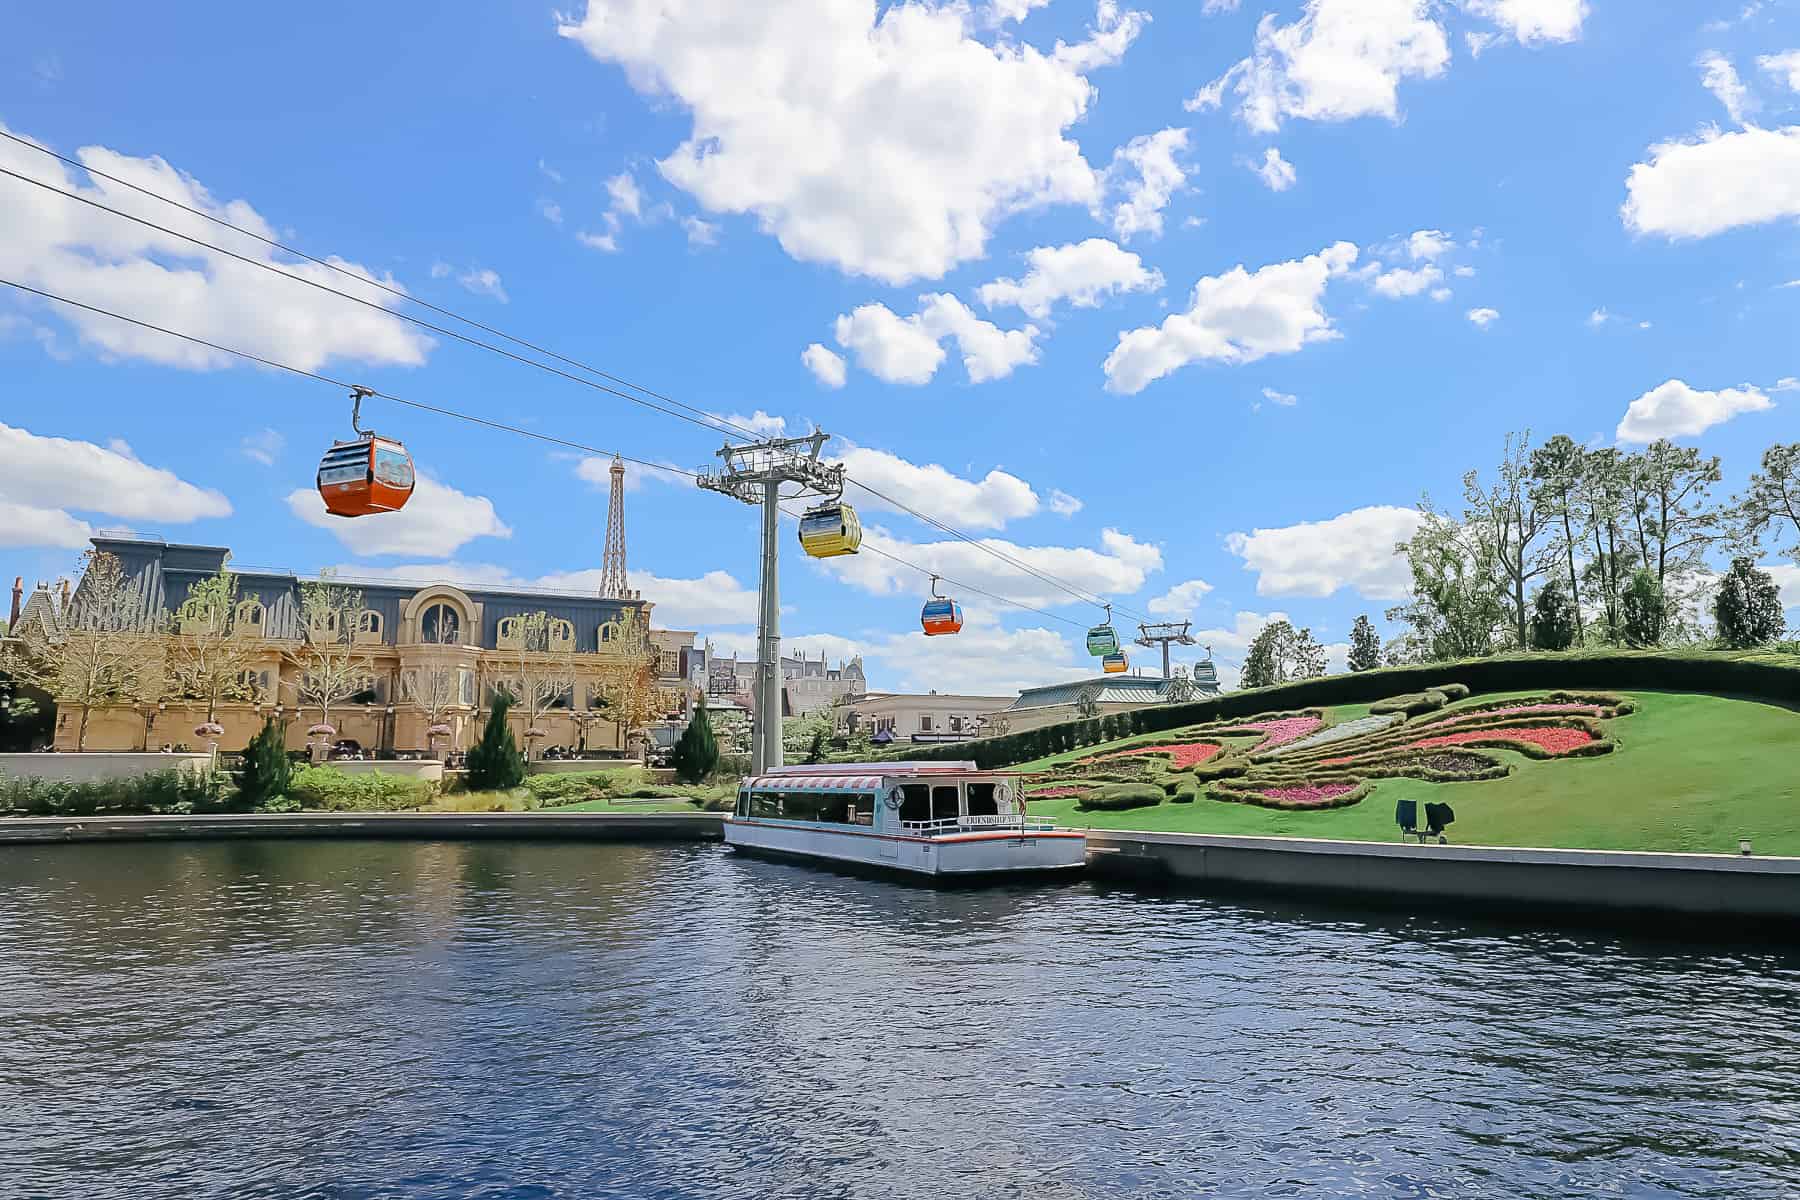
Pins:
x,y
613,582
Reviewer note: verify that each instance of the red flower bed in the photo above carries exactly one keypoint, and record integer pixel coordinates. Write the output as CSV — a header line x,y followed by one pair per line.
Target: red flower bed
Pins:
x,y
1181,755
1314,794
1554,739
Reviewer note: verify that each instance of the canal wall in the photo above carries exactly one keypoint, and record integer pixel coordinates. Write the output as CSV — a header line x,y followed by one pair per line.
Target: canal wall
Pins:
x,y
537,826
1498,878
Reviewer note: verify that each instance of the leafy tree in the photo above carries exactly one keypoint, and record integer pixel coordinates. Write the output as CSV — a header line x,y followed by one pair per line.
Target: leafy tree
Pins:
x,y
1605,496
1456,610
1643,609
494,762
1365,646
696,751
209,658
1558,468
1280,653
799,733
1770,507
1554,622
1511,519
1672,513
330,669
268,772
23,721
815,753
1748,606
538,670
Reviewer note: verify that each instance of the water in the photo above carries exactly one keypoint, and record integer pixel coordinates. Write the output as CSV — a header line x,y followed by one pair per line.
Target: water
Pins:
x,y
517,1020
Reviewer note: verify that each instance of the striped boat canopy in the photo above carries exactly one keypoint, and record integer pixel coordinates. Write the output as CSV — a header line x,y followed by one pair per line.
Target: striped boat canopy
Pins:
x,y
815,783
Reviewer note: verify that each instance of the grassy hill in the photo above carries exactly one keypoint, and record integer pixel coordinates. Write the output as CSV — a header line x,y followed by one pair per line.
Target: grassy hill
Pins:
x,y
1623,769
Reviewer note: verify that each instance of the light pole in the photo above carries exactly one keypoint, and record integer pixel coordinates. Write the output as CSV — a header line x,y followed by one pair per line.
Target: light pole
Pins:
x,y
754,474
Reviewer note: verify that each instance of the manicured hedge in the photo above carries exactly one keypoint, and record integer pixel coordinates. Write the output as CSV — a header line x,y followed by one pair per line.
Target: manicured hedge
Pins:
x,y
1617,670
1116,796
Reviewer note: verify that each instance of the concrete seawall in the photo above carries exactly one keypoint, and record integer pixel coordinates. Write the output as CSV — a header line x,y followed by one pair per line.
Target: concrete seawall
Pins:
x,y
539,826
1497,878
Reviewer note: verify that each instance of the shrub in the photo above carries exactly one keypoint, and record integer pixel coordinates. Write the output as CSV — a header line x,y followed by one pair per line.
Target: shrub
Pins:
x,y
159,792
1412,704
1554,622
1452,691
696,753
1643,609
338,791
1748,606
495,764
1185,794
1116,796
577,786
267,769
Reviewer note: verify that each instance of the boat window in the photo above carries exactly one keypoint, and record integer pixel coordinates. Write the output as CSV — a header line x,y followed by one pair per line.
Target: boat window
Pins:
x,y
981,800
800,806
835,808
743,804
864,813
944,802
915,802
763,804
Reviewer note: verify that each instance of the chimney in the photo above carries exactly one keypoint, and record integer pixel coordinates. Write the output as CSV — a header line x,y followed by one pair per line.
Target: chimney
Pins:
x,y
18,600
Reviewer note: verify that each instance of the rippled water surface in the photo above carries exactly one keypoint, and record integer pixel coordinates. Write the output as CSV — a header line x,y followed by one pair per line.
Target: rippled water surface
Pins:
x,y
346,1019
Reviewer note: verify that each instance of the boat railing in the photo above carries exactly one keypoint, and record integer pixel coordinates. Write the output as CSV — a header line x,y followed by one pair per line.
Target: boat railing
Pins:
x,y
1024,823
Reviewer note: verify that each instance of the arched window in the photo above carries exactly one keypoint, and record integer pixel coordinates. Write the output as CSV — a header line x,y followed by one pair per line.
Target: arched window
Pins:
x,y
368,626
562,635
608,632
325,624
508,632
250,618
440,625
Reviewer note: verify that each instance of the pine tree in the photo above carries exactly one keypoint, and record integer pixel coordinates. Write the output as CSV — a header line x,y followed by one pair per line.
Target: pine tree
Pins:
x,y
696,752
815,753
267,769
1748,606
494,763
1365,646
1554,624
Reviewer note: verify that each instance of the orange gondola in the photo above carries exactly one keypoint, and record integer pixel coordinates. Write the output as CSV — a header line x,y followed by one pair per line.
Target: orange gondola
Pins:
x,y
370,474
941,614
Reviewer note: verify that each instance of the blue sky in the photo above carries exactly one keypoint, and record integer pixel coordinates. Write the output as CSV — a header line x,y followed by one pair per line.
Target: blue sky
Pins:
x,y
1294,264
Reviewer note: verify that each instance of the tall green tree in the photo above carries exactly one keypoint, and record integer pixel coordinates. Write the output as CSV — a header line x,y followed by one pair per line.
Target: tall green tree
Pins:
x,y
1554,621
1770,506
1456,610
268,771
1748,606
696,752
1643,610
1605,497
1672,511
1512,517
494,762
1558,468
1365,646
1280,653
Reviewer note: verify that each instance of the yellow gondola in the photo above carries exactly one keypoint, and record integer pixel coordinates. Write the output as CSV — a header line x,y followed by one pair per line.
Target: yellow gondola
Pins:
x,y
830,529
1114,664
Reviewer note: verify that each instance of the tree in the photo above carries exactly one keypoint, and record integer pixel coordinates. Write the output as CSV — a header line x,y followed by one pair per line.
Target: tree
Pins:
x,y
1605,496
1671,510
696,752
1456,610
538,669
630,692
1512,517
1558,468
815,753
1365,646
102,651
798,733
494,763
435,686
1770,506
209,658
1554,622
23,721
329,667
1280,653
267,769
1748,606
1643,609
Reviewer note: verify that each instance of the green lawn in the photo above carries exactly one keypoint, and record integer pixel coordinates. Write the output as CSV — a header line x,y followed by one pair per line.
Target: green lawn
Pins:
x,y
1692,772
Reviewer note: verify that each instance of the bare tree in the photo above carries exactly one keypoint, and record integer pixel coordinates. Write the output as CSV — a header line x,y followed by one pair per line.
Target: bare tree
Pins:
x,y
632,696
329,667
1513,515
435,686
1558,467
209,656
1605,498
103,650
538,668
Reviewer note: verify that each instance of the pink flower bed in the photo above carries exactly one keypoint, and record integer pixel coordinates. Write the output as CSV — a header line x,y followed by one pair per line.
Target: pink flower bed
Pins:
x,y
1315,794
1287,729
1055,793
1181,755
1572,710
1554,739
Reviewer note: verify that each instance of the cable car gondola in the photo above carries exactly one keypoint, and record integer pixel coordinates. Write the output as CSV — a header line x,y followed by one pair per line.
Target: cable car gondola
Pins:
x,y
941,614
1114,664
830,529
371,474
1102,639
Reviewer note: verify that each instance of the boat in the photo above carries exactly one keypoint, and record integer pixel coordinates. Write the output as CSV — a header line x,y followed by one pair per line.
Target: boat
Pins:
x,y
943,820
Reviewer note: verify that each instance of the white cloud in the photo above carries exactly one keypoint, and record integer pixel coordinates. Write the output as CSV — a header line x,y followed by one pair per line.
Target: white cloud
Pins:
x,y
596,471
1283,399
987,503
1716,182
262,446
1012,10
759,422
437,521
1784,66
1787,578
1218,6
1150,175
909,350
1118,567
1720,78
1063,504
1483,317
1276,172
626,197
94,257
1082,273
827,367
1464,272
1673,409
551,210
1430,245
1237,317
1317,558
1533,21
700,233
1599,317
605,242
1340,60
483,282
1180,600
887,142
1407,281
41,478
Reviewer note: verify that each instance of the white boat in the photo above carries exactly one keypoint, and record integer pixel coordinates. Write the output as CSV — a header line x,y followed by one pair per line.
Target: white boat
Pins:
x,y
944,820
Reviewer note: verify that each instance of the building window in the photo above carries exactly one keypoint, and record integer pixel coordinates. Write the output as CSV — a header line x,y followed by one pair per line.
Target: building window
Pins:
x,y
607,632
324,625
925,723
250,617
956,724
440,625
465,686
508,633
562,635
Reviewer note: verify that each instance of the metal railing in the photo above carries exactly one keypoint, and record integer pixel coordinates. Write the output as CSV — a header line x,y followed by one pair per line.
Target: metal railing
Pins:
x,y
1022,823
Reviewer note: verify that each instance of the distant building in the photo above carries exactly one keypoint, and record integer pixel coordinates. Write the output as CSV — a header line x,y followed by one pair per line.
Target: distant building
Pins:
x,y
808,685
1056,702
932,717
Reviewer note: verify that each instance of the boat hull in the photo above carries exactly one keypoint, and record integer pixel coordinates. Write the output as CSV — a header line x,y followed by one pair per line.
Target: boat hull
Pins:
x,y
967,855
